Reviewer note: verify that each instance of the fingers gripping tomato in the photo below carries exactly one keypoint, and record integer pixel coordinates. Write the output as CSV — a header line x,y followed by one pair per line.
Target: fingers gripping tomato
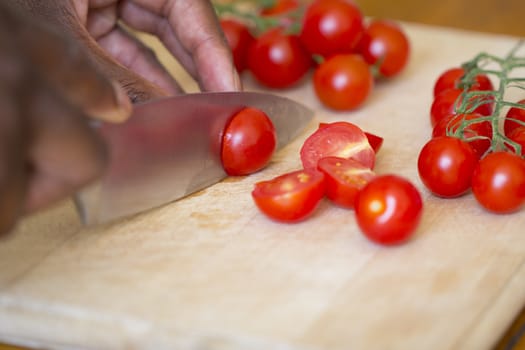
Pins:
x,y
388,209
248,143
290,197
339,139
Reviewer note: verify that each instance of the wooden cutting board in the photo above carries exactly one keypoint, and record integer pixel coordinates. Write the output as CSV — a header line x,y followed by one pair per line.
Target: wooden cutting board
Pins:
x,y
211,272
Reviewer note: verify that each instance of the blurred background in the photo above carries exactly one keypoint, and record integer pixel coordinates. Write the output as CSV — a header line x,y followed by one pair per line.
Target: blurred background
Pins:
x,y
495,16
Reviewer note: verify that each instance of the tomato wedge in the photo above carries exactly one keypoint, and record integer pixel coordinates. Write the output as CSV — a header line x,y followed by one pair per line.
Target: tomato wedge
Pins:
x,y
290,197
344,178
338,139
375,141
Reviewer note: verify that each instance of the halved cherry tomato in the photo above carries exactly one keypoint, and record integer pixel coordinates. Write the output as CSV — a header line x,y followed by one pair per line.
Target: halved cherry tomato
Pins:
x,y
239,39
514,116
445,104
384,42
451,79
388,209
498,182
290,197
482,128
339,139
331,27
278,60
343,82
518,135
248,142
445,166
344,178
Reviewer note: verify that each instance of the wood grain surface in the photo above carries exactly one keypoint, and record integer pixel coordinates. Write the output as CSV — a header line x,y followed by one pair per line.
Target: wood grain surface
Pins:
x,y
210,272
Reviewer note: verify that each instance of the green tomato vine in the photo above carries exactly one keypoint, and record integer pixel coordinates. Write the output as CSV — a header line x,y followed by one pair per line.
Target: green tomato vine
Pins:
x,y
503,69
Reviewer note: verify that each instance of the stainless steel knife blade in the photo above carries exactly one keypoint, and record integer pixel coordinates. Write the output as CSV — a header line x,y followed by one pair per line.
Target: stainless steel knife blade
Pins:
x,y
170,148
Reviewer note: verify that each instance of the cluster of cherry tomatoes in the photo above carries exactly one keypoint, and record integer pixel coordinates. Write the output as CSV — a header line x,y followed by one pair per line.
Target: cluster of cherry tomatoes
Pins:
x,y
330,37
468,151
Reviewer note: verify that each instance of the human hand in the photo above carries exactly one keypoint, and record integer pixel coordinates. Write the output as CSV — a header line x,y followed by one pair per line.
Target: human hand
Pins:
x,y
188,28
48,88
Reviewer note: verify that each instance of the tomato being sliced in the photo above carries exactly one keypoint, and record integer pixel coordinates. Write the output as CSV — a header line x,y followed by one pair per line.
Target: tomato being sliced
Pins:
x,y
498,182
338,139
290,197
248,142
388,209
344,178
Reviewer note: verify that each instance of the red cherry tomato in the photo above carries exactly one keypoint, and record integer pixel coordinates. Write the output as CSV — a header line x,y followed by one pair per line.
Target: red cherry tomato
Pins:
x,y
498,182
280,7
385,41
343,179
248,142
451,79
445,104
445,166
375,141
481,128
239,39
343,82
518,135
339,139
388,209
278,60
290,197
331,27
514,115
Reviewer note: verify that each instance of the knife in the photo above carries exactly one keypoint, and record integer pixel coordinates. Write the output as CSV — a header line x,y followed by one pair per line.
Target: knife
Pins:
x,y
170,148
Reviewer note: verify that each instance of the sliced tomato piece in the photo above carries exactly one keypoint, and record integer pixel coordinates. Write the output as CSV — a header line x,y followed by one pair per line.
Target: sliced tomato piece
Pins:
x,y
375,141
290,197
344,178
338,139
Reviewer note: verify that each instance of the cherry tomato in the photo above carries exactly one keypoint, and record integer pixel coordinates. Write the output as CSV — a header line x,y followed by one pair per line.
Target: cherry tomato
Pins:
x,y
481,128
445,166
280,7
451,79
278,60
343,82
445,104
290,197
248,142
385,42
239,38
331,27
514,113
498,182
339,139
343,179
375,141
518,135
388,209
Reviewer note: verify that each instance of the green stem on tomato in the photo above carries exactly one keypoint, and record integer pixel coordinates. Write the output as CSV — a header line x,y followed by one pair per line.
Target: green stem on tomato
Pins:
x,y
469,100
